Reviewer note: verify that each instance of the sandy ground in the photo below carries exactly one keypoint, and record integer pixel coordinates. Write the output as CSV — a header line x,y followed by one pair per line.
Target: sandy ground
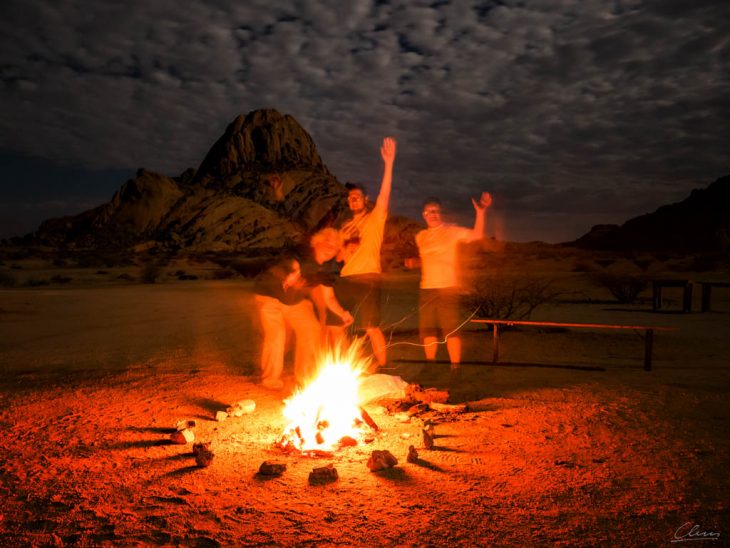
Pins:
x,y
568,442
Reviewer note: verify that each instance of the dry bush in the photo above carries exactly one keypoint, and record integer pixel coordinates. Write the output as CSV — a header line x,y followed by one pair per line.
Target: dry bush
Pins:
x,y
624,287
504,297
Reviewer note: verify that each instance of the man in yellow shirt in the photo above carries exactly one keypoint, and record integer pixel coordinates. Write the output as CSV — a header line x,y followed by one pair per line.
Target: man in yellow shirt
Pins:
x,y
440,294
359,286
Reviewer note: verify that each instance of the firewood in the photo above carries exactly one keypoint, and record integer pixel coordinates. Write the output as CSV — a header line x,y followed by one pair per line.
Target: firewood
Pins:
x,y
368,419
412,454
221,416
449,408
418,409
347,441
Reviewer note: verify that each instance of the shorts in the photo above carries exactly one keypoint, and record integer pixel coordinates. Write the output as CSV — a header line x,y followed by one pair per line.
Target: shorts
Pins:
x,y
438,309
360,295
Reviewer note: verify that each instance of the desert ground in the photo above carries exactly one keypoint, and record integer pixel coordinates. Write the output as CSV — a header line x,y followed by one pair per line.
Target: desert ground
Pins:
x,y
566,441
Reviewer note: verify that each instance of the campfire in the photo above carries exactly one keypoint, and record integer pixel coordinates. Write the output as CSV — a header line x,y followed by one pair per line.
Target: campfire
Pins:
x,y
326,414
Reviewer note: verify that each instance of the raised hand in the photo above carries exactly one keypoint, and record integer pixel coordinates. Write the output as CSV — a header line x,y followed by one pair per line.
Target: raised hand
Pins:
x,y
388,150
485,200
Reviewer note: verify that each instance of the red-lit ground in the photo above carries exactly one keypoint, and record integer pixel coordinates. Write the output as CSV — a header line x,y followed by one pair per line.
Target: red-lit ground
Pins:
x,y
95,378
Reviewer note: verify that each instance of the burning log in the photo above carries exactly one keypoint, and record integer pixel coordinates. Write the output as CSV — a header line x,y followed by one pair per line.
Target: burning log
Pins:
x,y
324,474
203,454
318,453
347,441
412,454
272,468
181,437
380,460
243,407
368,419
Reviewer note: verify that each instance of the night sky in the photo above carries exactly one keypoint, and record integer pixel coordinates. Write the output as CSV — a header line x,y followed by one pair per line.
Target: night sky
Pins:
x,y
571,112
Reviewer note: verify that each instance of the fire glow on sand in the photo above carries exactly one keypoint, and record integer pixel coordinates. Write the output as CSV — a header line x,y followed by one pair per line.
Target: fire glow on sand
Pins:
x,y
326,413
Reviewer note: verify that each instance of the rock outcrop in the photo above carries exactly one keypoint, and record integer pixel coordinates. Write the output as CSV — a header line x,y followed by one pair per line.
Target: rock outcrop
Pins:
x,y
699,223
230,203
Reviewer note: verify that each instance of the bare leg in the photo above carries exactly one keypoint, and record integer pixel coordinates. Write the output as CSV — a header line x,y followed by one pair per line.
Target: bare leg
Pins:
x,y
272,352
377,341
430,346
453,345
307,331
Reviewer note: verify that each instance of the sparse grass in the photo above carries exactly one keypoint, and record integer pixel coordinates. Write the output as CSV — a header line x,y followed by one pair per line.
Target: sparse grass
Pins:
x,y
37,282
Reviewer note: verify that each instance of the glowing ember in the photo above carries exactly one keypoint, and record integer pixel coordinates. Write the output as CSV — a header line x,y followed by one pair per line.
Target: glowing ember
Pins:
x,y
326,413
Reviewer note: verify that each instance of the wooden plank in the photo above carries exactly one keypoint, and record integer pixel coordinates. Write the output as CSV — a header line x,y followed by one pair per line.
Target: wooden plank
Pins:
x,y
586,325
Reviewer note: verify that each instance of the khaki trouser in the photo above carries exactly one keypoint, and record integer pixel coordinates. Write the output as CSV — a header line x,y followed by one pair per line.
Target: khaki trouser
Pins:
x,y
275,316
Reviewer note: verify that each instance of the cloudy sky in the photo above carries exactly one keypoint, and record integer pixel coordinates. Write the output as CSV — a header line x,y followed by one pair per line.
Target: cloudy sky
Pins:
x,y
571,112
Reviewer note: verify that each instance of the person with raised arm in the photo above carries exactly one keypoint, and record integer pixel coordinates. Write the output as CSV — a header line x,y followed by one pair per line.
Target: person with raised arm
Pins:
x,y
440,293
359,286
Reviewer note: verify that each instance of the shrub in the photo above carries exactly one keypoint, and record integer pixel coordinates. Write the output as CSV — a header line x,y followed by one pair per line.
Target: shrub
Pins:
x,y
126,277
624,287
58,279
509,297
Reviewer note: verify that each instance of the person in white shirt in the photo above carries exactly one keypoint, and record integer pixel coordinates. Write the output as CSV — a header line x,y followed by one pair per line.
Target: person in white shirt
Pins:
x,y
440,292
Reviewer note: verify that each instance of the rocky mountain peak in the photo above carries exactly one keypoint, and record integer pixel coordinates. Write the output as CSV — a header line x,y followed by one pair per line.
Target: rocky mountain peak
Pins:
x,y
262,141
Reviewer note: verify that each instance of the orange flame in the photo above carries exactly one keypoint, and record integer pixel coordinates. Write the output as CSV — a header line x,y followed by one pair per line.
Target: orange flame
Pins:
x,y
328,408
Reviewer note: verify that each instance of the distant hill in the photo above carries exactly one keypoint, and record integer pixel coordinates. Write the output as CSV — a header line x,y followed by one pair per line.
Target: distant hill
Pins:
x,y
699,223
228,204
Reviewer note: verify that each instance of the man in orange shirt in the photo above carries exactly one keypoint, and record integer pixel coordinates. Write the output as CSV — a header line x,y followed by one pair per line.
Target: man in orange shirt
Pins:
x,y
440,293
359,286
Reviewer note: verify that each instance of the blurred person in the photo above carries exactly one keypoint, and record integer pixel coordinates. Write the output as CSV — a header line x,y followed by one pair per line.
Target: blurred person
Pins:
x,y
440,292
321,271
281,296
359,286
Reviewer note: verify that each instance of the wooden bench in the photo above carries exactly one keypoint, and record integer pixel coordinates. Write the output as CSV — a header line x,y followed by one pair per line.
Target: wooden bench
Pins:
x,y
707,292
648,338
658,285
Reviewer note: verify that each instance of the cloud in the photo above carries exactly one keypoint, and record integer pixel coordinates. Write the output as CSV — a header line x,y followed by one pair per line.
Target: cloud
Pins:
x,y
543,102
